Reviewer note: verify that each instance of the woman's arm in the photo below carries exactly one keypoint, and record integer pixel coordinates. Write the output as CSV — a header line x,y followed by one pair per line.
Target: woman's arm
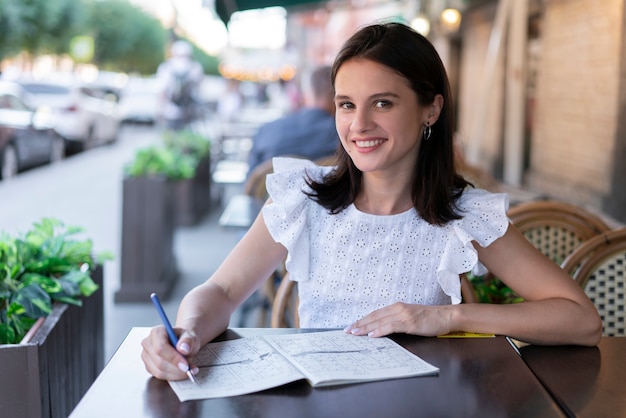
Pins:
x,y
205,311
555,310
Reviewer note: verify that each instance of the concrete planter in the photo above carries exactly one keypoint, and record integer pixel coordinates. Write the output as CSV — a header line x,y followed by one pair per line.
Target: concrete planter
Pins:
x,y
148,263
49,374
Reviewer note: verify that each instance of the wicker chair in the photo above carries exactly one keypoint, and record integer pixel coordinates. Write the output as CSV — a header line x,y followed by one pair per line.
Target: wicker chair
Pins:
x,y
285,307
599,267
255,183
556,228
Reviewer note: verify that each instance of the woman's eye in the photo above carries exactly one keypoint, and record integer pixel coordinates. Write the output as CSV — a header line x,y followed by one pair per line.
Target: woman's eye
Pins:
x,y
382,103
346,105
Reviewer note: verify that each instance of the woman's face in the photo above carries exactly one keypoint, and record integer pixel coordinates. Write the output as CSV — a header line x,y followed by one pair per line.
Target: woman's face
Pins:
x,y
379,119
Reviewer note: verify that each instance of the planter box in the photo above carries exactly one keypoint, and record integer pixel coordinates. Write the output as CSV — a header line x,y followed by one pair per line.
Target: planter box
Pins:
x,y
148,263
47,376
192,197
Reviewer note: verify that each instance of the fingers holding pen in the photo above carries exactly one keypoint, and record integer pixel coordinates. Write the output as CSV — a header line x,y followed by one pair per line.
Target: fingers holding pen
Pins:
x,y
162,360
188,345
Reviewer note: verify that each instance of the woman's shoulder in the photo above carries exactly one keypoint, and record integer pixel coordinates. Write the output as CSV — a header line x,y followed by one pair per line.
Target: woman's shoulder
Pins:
x,y
473,199
297,165
288,185
483,216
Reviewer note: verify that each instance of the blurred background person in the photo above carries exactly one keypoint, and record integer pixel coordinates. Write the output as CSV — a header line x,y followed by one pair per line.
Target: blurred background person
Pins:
x,y
309,132
230,103
180,76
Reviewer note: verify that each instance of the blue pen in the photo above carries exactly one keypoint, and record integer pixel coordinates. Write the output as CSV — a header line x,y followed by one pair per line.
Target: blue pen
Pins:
x,y
169,329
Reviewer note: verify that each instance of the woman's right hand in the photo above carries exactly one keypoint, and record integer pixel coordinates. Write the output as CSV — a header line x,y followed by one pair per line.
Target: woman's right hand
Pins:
x,y
162,360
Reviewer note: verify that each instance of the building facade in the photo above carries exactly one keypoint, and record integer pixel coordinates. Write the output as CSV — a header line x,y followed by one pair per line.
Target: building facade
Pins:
x,y
539,87
574,145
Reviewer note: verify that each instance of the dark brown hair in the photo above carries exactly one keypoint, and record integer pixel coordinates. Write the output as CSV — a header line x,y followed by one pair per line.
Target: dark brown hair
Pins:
x,y
436,185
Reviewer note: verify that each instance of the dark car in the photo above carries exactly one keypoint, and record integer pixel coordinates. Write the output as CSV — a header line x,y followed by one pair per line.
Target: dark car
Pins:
x,y
27,137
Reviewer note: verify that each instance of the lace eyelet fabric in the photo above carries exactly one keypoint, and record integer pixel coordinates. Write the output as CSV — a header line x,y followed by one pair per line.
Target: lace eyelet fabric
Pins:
x,y
352,263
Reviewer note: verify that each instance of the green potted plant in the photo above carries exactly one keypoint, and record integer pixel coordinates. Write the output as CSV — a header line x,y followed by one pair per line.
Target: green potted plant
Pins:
x,y
183,159
192,195
164,186
489,289
51,319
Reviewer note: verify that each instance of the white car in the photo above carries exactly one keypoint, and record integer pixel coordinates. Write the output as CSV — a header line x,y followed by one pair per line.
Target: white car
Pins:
x,y
140,100
86,115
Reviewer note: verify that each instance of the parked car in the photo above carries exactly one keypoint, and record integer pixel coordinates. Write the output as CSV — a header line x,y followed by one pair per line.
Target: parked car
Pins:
x,y
140,101
86,114
27,137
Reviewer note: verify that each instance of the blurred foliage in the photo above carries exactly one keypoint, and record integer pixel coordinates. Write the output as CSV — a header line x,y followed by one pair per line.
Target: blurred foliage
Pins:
x,y
42,266
126,38
210,63
38,26
490,289
176,159
188,142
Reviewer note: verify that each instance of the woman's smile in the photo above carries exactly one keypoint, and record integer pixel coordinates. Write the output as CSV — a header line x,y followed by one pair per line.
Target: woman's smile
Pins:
x,y
368,145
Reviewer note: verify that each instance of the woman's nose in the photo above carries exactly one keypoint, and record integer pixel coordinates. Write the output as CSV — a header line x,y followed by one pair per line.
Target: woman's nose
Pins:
x,y
361,121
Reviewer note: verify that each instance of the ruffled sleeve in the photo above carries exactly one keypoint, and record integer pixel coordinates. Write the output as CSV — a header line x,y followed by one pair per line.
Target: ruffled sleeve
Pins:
x,y
484,221
286,217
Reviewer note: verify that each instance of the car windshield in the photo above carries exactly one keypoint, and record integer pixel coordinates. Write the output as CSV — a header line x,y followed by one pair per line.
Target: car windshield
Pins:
x,y
40,88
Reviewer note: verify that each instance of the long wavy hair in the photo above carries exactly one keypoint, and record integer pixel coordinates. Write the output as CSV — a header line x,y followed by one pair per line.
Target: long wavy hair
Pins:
x,y
436,185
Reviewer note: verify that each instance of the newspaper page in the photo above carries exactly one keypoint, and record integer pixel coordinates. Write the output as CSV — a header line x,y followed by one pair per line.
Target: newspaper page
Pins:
x,y
334,357
236,367
247,365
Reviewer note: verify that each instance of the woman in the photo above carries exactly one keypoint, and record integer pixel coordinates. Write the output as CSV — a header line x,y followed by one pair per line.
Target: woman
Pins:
x,y
377,243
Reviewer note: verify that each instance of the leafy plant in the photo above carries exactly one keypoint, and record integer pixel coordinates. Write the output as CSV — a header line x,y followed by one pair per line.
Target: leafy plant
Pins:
x,y
40,267
177,159
489,289
188,142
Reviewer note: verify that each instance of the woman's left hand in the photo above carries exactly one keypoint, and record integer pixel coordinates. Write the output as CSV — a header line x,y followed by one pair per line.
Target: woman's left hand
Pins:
x,y
428,321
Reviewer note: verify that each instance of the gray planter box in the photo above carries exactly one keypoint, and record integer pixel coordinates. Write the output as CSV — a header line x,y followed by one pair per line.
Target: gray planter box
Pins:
x,y
148,263
192,197
47,376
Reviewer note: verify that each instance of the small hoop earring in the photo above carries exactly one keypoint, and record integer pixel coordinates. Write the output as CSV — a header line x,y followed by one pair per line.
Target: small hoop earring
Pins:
x,y
427,132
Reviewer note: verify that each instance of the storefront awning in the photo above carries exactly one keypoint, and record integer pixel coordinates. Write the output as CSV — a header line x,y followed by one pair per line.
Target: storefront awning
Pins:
x,y
225,8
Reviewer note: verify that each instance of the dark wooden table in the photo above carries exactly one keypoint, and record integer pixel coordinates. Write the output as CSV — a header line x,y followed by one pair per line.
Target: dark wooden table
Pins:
x,y
478,378
585,381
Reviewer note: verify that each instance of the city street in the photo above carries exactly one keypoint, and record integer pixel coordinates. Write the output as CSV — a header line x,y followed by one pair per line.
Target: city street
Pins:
x,y
86,190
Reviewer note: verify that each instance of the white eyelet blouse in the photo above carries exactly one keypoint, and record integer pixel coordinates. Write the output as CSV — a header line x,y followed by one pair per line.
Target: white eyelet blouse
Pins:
x,y
352,263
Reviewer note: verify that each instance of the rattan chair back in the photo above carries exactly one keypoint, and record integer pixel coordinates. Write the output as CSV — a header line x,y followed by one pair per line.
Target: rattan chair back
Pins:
x,y
599,267
285,307
556,228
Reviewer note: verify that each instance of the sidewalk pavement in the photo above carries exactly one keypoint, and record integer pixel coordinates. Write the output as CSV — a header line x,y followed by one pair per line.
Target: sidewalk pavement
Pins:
x,y
85,190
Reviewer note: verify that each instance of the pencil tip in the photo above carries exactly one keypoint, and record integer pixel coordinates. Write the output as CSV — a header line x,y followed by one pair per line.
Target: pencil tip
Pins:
x,y
193,379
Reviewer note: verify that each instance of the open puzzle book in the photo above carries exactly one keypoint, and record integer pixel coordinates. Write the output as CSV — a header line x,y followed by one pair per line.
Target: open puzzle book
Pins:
x,y
252,364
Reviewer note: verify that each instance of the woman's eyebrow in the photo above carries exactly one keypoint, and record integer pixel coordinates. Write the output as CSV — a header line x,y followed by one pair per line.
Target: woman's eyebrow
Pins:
x,y
372,97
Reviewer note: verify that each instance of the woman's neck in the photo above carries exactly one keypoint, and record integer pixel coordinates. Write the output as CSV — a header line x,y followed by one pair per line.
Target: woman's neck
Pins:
x,y
379,196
